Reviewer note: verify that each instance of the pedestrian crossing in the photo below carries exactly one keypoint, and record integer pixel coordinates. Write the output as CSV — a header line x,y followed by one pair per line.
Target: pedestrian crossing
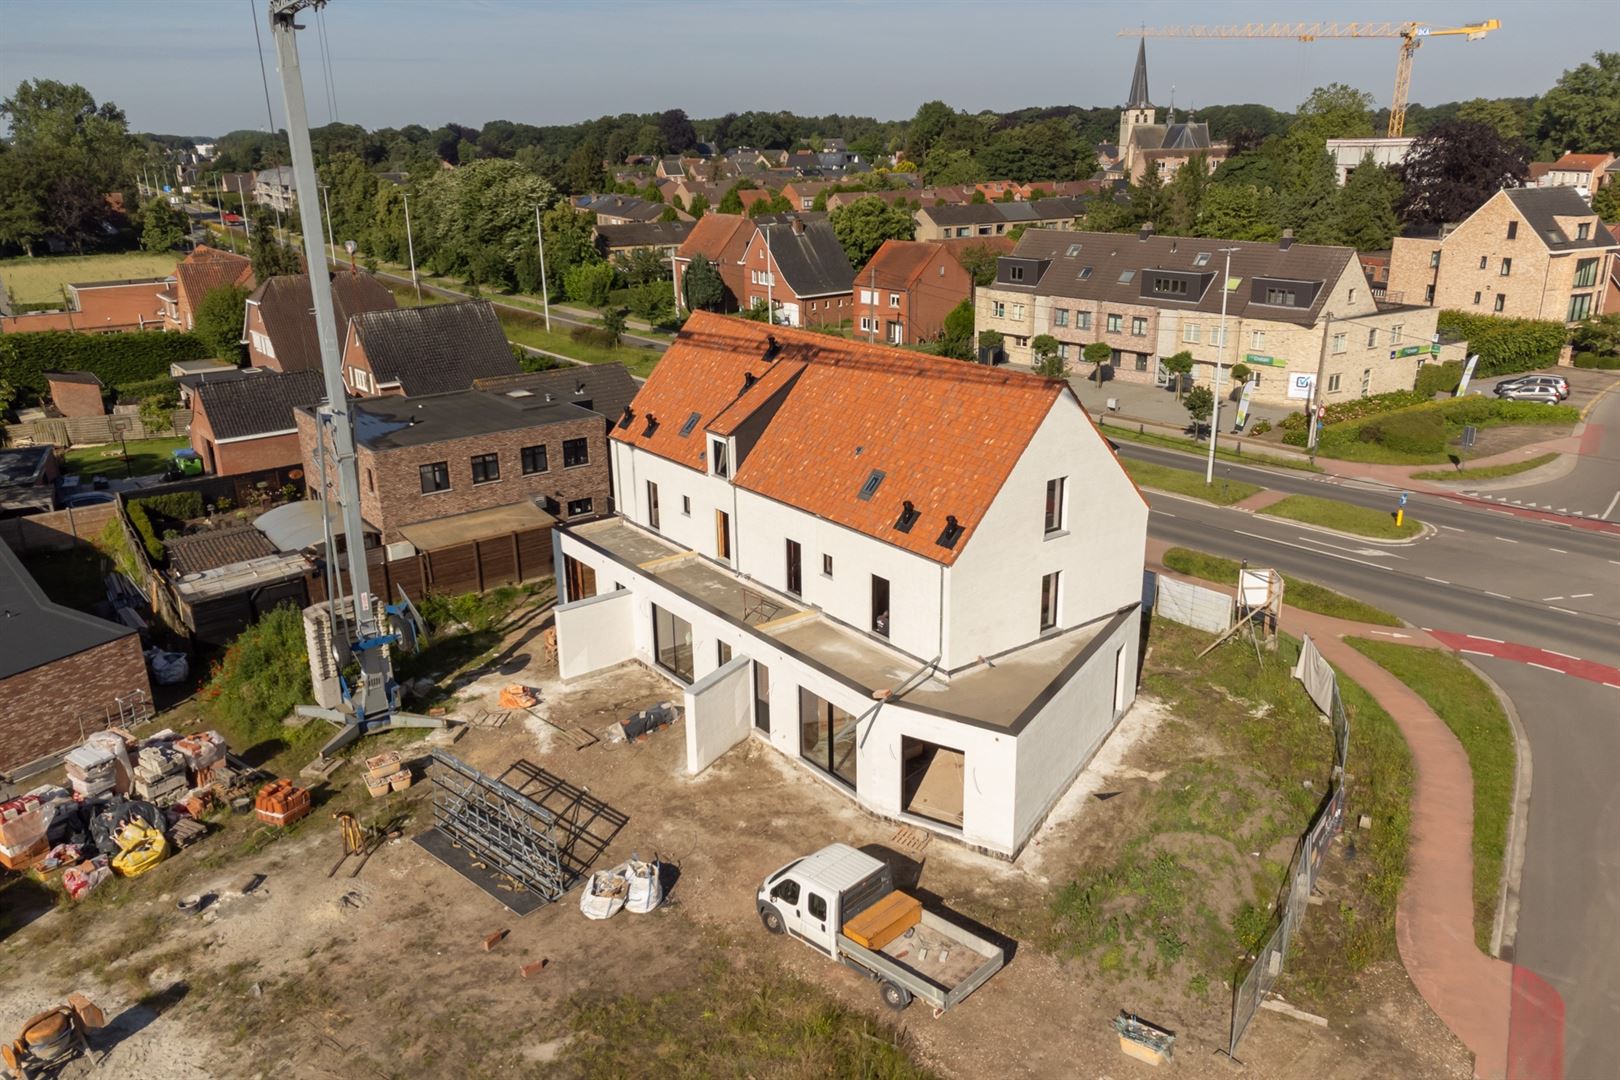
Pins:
x,y
1505,501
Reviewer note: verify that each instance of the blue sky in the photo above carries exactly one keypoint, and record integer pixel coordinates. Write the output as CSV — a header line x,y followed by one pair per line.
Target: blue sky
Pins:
x,y
189,66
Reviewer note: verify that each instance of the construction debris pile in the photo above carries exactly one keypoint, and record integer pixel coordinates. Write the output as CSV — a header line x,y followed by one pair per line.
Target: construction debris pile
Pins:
x,y
129,803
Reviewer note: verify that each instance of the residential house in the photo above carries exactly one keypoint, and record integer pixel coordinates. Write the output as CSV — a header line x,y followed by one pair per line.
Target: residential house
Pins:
x,y
995,219
275,188
28,476
1587,173
801,194
1530,253
1144,143
1149,297
659,236
1348,154
425,350
279,323
750,196
604,389
621,209
197,275
903,293
1375,264
840,196
800,269
918,578
670,168
245,424
62,672
98,307
443,458
721,239
76,393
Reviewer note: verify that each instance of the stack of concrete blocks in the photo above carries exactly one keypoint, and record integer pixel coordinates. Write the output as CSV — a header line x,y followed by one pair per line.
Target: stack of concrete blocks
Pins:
x,y
160,775
91,771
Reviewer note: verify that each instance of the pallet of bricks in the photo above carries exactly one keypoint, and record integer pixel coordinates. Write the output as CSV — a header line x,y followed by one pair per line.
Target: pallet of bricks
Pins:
x,y
281,802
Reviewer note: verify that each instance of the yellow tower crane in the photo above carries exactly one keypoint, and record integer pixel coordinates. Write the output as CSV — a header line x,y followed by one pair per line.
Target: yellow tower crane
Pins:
x,y
1411,35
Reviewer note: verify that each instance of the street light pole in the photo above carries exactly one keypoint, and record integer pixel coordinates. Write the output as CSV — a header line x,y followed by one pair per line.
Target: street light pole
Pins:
x,y
545,292
1220,353
411,247
1316,387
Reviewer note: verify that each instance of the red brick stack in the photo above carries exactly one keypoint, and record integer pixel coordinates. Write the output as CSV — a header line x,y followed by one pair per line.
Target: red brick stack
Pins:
x,y
281,802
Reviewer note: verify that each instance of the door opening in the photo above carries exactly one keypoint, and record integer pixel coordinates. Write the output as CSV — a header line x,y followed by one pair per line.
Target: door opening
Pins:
x,y
880,606
932,781
795,572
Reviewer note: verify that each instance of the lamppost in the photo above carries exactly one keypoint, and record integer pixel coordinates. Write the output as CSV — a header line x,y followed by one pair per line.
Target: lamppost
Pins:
x,y
1220,353
411,247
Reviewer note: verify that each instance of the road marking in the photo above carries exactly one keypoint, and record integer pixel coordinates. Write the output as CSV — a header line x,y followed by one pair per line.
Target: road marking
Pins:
x,y
1476,652
1369,552
1544,599
1565,610
1544,667
1560,551
1612,686
1498,595
1389,633
1560,510
1453,528
1437,581
1579,595
1313,551
1612,504
1505,540
1492,640
1161,513
1565,655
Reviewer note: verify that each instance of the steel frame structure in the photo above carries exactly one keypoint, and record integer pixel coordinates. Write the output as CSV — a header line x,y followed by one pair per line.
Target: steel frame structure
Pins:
x,y
505,828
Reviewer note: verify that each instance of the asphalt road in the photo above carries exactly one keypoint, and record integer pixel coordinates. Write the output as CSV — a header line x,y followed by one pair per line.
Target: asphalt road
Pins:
x,y
1593,485
1489,573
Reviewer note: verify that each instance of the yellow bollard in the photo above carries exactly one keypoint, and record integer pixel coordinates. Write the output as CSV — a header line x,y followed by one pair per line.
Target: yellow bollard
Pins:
x,y
1400,516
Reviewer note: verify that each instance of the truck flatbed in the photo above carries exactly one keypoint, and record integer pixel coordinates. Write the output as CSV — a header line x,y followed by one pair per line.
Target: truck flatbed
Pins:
x,y
956,962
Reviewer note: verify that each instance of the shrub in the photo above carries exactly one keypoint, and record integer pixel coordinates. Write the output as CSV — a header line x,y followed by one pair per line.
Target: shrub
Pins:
x,y
175,505
264,673
1356,408
589,283
1260,428
143,528
1506,345
1594,360
1416,432
156,515
1435,379
117,359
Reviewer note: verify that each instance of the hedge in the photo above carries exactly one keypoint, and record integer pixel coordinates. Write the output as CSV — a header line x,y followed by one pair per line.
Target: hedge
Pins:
x,y
1294,426
117,359
1435,379
1506,345
174,507
139,518
1420,431
1597,360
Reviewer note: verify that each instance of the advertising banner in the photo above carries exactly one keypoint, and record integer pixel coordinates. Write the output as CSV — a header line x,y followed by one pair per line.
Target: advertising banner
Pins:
x,y
1243,404
1468,373
1301,386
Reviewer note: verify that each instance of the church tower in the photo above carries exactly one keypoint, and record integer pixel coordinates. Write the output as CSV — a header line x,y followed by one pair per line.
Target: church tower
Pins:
x,y
1138,109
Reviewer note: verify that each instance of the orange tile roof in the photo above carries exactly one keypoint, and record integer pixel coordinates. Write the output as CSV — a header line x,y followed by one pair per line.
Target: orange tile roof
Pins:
x,y
206,269
896,264
713,236
1583,162
945,433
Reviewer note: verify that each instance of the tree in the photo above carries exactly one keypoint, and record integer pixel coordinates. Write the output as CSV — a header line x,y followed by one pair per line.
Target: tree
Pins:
x,y
1147,197
1180,365
652,302
1496,113
731,201
699,207
1045,150
1452,169
613,322
864,224
642,266
704,287
1098,353
270,257
570,239
1044,352
65,152
1309,190
1200,403
676,131
218,322
1237,212
956,339
163,227
991,339
669,214
1581,113
926,127
589,283
484,207
1366,207
979,260
949,167
1240,374
1335,111
1606,202
1184,196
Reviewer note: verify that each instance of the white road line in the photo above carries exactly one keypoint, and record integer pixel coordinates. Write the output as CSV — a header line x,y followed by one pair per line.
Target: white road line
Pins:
x,y
1453,528
1560,510
1612,504
1544,667
1579,595
1437,581
1476,652
1612,686
1560,551
1544,599
1505,540
1161,513
1498,595
1313,551
1565,655
1565,610
1492,640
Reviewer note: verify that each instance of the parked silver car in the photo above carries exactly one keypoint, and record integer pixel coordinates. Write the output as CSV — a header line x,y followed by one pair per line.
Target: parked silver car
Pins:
x,y
1557,382
1547,395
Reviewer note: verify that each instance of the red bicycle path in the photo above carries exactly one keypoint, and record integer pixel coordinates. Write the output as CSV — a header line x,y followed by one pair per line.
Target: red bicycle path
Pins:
x,y
1510,1018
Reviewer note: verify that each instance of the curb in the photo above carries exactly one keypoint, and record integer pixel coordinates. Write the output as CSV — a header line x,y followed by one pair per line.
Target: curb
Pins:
x,y
1425,533
1505,929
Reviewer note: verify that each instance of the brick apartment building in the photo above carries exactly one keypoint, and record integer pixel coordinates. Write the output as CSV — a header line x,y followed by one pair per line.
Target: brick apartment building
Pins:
x,y
425,350
1531,253
902,295
801,268
279,323
1149,297
443,456
62,672
245,423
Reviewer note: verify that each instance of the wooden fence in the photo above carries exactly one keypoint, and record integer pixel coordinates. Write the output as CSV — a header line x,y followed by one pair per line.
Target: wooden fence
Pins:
x,y
471,567
93,430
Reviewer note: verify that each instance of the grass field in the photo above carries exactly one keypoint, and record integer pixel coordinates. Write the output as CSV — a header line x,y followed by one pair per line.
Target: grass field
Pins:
x,y
1471,711
1305,595
146,457
1119,432
1190,484
40,280
1489,472
1344,517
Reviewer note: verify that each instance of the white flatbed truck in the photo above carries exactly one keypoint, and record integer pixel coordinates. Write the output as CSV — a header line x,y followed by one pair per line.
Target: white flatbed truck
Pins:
x,y
814,898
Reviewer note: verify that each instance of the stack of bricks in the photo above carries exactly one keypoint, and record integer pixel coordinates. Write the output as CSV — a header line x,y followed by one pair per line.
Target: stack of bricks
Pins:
x,y
91,771
380,772
160,774
22,832
281,802
203,751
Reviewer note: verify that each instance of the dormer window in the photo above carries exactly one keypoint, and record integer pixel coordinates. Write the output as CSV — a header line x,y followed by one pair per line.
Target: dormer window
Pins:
x,y
719,459
1583,231
1280,297
1015,273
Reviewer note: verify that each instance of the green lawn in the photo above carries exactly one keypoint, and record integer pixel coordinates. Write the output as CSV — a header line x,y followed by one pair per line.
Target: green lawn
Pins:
x,y
1472,712
1489,472
146,457
40,279
1119,432
1181,482
1344,517
1305,595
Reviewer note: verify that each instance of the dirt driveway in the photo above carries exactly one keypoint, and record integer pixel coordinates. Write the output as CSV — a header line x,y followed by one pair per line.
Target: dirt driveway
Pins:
x,y
385,974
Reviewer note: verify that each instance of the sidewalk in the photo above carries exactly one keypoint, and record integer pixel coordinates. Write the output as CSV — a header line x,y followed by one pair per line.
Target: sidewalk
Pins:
x,y
1507,1016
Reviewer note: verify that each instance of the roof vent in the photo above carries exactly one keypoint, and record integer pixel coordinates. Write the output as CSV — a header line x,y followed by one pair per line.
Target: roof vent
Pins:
x,y
624,420
1287,240
579,389
548,395
952,533
520,393
749,379
1145,231
652,424
868,489
772,347
908,517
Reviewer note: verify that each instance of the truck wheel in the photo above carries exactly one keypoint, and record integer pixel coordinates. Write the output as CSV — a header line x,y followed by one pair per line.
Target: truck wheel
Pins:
x,y
772,920
895,997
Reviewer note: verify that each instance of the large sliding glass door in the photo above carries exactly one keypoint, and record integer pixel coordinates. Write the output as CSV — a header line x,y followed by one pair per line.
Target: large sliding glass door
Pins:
x,y
672,643
827,736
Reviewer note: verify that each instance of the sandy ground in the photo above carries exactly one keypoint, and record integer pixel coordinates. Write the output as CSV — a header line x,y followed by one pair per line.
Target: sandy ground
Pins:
x,y
385,974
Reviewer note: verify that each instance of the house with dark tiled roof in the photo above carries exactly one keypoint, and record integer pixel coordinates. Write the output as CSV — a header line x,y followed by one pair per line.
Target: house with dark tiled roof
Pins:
x,y
1528,253
279,325
962,220
425,350
245,424
197,275
904,292
799,268
659,236
918,578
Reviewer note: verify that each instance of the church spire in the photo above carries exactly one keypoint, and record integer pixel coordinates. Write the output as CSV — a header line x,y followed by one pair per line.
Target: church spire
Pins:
x,y
1139,85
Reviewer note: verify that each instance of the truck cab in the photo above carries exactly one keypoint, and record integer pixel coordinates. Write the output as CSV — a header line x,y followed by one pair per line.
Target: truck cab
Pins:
x,y
815,896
